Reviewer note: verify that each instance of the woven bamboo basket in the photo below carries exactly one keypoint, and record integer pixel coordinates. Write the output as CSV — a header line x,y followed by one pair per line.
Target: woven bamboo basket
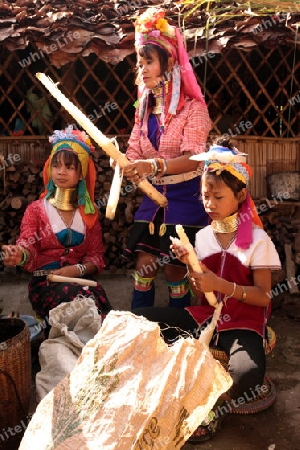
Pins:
x,y
15,381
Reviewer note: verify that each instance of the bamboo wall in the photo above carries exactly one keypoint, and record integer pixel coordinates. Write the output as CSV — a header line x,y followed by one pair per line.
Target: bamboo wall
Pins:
x,y
267,156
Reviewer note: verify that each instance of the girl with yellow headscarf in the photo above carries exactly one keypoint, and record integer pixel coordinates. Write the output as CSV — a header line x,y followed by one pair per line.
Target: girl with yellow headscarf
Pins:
x,y
60,232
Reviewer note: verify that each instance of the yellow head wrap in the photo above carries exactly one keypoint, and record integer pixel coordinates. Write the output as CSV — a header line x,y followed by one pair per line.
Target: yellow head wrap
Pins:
x,y
81,152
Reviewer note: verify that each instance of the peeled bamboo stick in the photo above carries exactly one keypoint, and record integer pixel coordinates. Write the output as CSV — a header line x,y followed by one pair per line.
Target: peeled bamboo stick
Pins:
x,y
206,334
114,194
60,279
104,142
193,261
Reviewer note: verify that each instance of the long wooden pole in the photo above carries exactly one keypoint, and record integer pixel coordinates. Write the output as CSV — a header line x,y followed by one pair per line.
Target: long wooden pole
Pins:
x,y
104,142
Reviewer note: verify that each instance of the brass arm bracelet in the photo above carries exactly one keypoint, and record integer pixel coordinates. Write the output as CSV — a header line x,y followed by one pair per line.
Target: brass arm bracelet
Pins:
x,y
244,295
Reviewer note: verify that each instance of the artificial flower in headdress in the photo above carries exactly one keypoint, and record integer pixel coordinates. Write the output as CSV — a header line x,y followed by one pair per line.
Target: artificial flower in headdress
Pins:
x,y
152,28
78,142
220,158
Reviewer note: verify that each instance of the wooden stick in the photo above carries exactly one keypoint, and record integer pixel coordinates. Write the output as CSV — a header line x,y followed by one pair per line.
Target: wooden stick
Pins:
x,y
61,279
114,194
193,261
104,142
206,334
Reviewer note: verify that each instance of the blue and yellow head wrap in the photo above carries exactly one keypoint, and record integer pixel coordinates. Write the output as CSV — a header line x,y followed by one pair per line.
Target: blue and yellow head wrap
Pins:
x,y
77,142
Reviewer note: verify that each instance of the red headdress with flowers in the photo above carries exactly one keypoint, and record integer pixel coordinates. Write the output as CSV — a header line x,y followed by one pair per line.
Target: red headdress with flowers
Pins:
x,y
152,28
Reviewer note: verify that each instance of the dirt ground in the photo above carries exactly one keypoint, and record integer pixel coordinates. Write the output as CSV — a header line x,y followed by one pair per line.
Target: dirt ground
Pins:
x,y
277,428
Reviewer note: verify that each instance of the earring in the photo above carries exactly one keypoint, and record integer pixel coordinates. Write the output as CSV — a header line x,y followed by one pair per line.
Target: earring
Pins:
x,y
168,75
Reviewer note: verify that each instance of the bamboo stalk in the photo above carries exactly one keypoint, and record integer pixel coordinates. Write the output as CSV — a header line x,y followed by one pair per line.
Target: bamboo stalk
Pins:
x,y
193,261
114,193
60,279
104,142
206,334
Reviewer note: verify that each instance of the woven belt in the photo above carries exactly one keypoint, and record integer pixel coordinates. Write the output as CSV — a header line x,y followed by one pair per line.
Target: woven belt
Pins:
x,y
174,179
41,273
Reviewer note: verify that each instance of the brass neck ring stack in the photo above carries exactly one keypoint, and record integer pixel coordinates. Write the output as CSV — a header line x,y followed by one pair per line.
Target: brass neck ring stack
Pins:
x,y
228,225
64,199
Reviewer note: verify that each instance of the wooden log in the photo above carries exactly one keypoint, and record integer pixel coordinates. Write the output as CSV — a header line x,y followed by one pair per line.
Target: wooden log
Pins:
x,y
31,178
14,176
193,262
290,269
297,248
11,169
34,169
19,202
2,221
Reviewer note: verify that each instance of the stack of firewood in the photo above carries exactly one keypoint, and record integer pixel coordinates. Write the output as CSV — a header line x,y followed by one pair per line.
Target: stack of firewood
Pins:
x,y
19,185
284,230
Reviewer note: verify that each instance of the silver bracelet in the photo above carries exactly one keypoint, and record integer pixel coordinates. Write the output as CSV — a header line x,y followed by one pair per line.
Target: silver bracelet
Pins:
x,y
155,166
232,293
165,167
81,268
152,162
